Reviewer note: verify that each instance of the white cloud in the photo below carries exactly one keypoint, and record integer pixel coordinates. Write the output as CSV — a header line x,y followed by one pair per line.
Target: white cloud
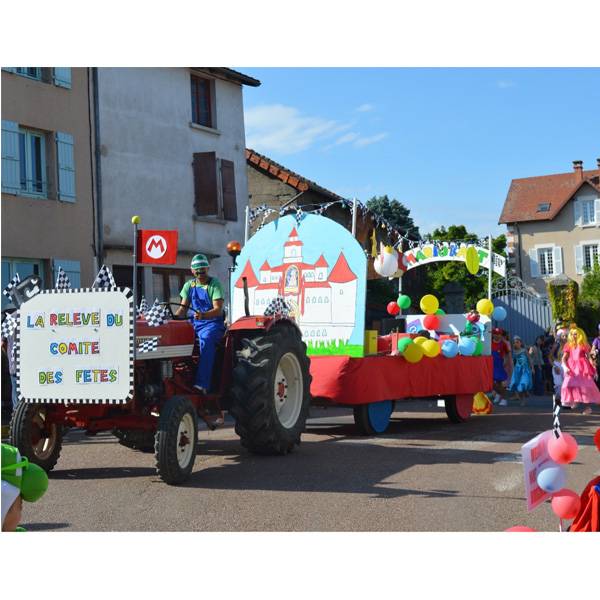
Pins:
x,y
344,139
503,84
285,130
367,141
366,107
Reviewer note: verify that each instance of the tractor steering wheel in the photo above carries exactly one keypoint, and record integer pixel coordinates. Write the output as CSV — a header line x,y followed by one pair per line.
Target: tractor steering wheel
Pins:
x,y
189,315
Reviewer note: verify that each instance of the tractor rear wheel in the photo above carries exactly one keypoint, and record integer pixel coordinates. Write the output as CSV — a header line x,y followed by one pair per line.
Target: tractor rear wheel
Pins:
x,y
175,445
270,392
39,441
136,439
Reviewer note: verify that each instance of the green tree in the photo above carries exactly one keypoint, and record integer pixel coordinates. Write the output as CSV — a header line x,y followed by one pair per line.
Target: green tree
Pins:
x,y
590,286
588,305
395,213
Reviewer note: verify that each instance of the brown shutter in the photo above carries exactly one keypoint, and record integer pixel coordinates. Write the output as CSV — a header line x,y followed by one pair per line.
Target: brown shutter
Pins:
x,y
228,183
205,184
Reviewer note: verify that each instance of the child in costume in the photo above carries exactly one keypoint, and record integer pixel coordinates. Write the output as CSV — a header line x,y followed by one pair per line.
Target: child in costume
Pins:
x,y
499,352
21,480
578,385
521,381
556,359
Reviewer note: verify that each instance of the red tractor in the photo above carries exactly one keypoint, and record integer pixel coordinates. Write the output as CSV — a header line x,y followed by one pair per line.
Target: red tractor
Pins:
x,y
261,373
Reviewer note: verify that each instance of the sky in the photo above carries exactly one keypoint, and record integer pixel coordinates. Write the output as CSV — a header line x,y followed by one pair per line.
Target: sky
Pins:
x,y
444,142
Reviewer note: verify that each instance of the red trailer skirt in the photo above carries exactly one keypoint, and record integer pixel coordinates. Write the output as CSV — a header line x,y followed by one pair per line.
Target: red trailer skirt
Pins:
x,y
346,380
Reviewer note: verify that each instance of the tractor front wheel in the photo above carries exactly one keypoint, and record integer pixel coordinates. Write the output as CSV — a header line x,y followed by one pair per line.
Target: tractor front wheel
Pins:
x,y
175,445
36,438
271,391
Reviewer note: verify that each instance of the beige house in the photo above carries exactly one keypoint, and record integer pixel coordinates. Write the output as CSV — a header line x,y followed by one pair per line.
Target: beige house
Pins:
x,y
553,225
47,199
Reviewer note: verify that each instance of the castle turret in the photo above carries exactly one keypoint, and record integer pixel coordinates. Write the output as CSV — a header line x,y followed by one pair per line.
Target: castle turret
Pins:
x,y
292,249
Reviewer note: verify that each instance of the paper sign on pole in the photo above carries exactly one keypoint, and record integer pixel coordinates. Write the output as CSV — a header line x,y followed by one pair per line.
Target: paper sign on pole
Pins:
x,y
535,458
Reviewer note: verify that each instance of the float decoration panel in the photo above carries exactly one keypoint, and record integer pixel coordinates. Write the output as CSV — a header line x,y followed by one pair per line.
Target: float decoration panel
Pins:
x,y
319,270
76,346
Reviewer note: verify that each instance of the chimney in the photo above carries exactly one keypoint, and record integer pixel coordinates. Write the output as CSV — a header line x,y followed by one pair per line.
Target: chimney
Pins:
x,y
578,167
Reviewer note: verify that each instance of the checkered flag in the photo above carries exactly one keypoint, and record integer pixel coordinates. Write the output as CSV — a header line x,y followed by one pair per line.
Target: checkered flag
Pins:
x,y
277,306
11,284
299,216
62,280
157,315
143,308
9,325
104,279
556,422
149,345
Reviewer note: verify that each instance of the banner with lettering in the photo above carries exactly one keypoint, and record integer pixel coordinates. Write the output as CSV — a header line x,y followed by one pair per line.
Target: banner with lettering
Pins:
x,y
76,346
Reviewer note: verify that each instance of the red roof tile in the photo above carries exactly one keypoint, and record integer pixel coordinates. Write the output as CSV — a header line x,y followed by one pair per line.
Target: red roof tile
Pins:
x,y
525,195
249,274
341,272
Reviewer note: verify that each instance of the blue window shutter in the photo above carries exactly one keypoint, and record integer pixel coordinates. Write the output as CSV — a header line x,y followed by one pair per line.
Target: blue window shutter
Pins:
x,y
11,182
66,167
62,77
71,267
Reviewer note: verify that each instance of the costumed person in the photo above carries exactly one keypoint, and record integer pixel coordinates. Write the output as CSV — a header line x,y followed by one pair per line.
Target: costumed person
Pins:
x,y
204,295
537,360
521,380
21,480
508,364
578,385
596,356
555,357
499,352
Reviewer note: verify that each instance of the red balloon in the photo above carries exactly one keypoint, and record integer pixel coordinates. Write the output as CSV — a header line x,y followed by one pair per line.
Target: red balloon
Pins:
x,y
562,450
520,528
566,504
393,308
431,322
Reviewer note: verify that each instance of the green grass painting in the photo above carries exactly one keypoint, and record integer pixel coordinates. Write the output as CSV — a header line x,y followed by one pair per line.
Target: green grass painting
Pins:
x,y
334,348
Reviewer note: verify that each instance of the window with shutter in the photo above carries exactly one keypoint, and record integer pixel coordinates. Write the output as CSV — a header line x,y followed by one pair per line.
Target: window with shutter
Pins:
x,y
202,112
228,187
579,259
66,167
557,260
11,180
206,193
577,213
62,77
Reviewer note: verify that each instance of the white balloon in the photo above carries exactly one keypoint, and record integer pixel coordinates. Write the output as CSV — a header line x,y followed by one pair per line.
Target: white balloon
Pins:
x,y
386,263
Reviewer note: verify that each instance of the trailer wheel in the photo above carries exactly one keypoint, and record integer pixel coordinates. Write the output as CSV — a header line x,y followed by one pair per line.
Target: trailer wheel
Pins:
x,y
270,392
136,439
175,445
459,408
40,442
373,418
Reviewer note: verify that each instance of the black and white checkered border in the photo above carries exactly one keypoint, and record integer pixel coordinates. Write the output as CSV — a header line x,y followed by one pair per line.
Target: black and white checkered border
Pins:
x,y
129,294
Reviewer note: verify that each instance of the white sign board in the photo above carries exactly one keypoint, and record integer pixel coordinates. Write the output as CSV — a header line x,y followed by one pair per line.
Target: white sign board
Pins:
x,y
535,458
76,346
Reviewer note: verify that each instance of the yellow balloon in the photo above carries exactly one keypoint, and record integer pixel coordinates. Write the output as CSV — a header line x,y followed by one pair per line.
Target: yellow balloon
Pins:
x,y
429,304
420,339
472,260
413,353
485,307
431,348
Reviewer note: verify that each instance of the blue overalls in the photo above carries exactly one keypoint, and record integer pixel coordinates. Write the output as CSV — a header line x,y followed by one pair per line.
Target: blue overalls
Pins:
x,y
209,332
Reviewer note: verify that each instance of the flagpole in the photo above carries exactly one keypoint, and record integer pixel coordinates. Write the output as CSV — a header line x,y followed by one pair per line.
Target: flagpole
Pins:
x,y
135,220
491,268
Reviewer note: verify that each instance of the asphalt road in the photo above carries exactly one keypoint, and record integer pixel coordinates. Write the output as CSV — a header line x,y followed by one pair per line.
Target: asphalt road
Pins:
x,y
424,474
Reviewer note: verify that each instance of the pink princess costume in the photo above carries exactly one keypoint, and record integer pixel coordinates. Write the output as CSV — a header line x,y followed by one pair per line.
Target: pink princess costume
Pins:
x,y
579,386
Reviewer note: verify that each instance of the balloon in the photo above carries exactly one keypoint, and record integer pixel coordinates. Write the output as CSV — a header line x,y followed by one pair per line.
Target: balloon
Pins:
x,y
520,528
478,348
449,348
413,353
499,313
393,308
485,307
431,322
552,478
429,304
386,262
420,339
472,260
403,343
404,301
466,346
430,348
566,504
440,311
562,450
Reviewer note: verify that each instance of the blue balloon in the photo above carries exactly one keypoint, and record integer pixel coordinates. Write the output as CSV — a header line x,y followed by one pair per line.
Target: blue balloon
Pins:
x,y
449,348
467,346
499,313
552,479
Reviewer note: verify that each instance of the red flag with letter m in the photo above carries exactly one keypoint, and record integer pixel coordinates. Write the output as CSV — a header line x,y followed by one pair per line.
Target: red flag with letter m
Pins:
x,y
157,247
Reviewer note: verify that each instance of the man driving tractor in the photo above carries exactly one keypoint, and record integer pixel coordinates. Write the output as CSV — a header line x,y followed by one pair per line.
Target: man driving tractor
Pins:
x,y
204,295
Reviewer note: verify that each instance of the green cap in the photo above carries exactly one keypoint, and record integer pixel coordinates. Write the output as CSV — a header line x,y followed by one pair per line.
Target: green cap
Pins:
x,y
27,477
199,261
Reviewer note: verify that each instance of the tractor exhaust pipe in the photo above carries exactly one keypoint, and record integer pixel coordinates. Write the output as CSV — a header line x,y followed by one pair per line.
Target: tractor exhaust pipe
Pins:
x,y
246,300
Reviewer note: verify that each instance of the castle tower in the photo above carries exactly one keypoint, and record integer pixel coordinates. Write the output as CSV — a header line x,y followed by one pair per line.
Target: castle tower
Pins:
x,y
293,248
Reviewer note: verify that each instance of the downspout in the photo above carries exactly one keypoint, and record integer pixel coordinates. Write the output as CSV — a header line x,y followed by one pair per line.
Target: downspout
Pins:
x,y
100,226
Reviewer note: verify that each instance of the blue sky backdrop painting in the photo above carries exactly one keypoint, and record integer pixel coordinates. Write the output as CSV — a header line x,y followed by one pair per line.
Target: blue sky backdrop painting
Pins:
x,y
445,142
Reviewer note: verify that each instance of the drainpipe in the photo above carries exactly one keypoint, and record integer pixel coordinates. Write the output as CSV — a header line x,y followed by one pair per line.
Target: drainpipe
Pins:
x,y
99,221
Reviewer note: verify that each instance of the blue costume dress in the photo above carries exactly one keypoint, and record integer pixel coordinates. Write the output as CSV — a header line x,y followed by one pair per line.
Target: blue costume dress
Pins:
x,y
209,332
521,380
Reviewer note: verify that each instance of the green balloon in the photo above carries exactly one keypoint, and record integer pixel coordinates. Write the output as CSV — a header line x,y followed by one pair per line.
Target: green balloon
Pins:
x,y
403,343
403,301
440,311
